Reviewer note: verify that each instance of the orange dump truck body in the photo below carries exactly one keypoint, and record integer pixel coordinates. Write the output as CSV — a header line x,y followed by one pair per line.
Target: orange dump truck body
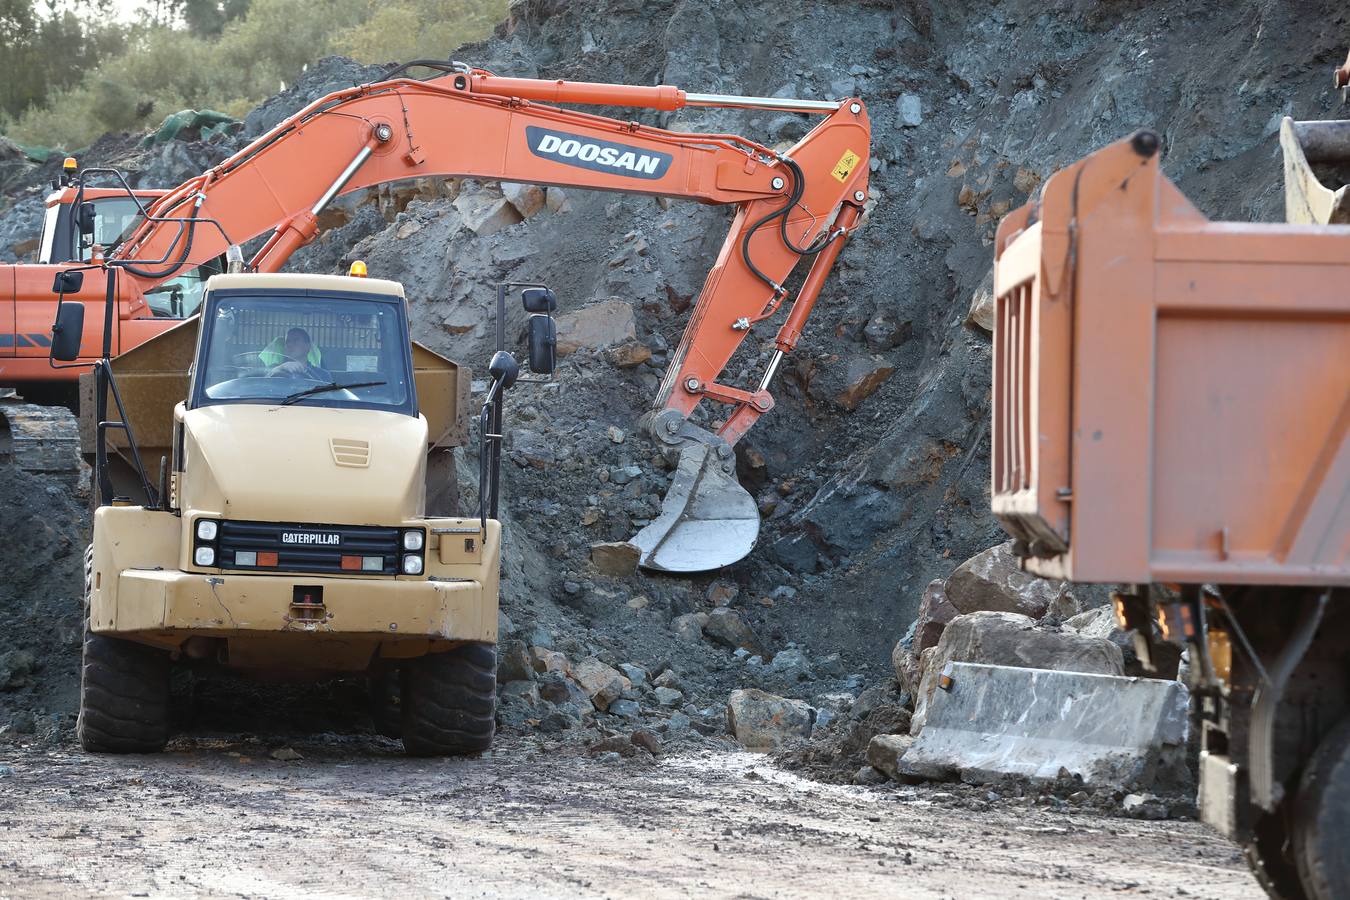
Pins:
x,y
1171,395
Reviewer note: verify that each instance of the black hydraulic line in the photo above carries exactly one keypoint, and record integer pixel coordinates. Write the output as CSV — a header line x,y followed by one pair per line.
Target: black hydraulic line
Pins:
x,y
794,197
439,65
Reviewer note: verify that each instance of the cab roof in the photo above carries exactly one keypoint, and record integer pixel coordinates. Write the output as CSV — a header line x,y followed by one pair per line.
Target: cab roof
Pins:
x,y
263,281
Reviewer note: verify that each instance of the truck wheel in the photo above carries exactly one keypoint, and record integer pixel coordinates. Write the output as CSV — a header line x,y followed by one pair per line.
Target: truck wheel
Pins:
x,y
1268,856
386,706
124,696
450,701
124,689
1322,819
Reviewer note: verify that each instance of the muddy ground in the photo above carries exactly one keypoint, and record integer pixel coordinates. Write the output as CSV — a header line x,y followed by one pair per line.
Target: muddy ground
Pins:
x,y
217,817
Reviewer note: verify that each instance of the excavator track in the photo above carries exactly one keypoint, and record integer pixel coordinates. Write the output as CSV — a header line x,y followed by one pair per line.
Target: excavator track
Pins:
x,y
42,440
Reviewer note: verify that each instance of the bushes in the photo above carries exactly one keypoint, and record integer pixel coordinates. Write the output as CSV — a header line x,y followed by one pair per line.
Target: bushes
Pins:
x,y
134,76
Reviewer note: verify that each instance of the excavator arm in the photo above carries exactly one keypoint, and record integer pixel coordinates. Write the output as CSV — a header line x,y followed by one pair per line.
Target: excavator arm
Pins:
x,y
470,123
473,124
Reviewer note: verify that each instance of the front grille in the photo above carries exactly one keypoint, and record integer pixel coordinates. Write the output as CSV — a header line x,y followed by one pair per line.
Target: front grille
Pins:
x,y
293,555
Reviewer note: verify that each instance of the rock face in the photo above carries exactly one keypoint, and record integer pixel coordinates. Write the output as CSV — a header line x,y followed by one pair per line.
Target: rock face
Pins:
x,y
992,581
762,721
1009,639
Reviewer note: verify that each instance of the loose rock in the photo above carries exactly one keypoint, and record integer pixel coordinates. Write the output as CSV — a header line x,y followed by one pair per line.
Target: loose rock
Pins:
x,y
601,683
618,559
762,721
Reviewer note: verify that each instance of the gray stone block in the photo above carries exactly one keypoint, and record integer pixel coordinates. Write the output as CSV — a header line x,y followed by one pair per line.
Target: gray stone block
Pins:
x,y
1112,731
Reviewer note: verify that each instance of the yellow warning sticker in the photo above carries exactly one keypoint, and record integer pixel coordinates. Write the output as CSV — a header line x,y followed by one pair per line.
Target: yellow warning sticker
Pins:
x,y
844,167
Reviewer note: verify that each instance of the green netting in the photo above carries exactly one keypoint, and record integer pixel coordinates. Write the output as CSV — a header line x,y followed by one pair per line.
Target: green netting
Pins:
x,y
36,154
207,123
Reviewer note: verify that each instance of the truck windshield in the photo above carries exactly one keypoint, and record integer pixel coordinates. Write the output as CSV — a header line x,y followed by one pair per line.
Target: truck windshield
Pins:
x,y
294,347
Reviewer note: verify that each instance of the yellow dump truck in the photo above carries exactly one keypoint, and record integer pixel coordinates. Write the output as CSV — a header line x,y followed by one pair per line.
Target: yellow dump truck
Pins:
x,y
287,532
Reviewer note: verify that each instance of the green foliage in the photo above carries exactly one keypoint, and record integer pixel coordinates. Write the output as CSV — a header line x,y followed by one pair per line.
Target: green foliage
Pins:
x,y
81,79
413,29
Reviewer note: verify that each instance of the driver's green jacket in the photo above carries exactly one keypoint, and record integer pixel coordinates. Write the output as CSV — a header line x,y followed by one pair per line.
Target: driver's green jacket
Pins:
x,y
274,354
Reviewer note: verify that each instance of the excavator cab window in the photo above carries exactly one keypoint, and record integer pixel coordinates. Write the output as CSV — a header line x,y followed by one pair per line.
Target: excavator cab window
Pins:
x,y
304,347
181,296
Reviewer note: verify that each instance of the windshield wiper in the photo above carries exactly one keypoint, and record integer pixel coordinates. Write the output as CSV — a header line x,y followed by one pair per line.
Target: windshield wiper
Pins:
x,y
331,386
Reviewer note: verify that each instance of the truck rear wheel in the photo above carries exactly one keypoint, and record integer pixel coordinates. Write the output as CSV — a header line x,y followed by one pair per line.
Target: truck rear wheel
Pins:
x,y
450,701
1322,819
1268,855
124,696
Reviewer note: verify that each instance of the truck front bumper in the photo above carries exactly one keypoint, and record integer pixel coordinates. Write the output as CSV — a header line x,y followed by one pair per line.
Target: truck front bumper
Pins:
x,y
169,606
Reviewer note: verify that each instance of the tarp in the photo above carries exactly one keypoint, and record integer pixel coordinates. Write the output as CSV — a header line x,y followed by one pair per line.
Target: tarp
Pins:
x,y
207,123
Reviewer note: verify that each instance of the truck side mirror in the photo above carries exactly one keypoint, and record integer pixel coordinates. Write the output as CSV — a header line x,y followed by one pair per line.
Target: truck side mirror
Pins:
x,y
68,282
539,300
68,331
84,218
543,343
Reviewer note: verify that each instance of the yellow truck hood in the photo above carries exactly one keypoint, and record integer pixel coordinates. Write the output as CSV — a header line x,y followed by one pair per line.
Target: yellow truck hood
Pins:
x,y
304,464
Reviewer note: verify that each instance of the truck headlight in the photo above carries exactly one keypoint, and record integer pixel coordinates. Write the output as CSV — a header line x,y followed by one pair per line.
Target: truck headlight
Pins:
x,y
412,564
413,540
207,530
204,556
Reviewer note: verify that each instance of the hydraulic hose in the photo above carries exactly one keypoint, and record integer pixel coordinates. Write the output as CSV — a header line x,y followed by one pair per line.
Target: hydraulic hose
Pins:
x,y
794,197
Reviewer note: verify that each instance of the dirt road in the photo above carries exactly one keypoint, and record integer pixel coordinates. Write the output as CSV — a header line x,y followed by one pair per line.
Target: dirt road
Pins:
x,y
220,818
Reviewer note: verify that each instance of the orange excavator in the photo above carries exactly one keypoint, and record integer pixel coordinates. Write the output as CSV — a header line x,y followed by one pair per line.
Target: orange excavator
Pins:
x,y
467,122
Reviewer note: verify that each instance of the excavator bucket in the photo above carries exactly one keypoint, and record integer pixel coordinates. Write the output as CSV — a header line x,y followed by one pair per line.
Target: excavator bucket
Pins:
x,y
707,519
1326,145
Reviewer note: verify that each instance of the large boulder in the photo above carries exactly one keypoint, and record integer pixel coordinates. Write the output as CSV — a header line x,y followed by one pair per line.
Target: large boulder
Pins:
x,y
601,683
992,580
726,627
763,721
1010,639
596,327
935,611
884,752
618,558
982,307
1100,622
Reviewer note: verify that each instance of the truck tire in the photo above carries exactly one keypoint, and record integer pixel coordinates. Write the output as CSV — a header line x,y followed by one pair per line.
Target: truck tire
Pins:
x,y
1322,819
124,689
1268,856
124,696
386,703
450,701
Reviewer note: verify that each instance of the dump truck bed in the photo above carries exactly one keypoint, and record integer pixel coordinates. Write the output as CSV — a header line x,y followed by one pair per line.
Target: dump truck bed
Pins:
x,y
1171,395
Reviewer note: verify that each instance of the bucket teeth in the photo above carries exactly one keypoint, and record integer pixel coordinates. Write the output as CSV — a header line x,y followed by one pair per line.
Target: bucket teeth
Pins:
x,y
707,519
